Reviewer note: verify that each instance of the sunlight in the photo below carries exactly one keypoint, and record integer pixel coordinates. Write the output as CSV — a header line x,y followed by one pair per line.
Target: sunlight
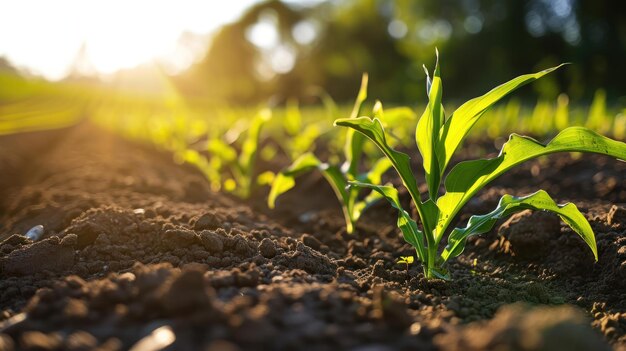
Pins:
x,y
45,37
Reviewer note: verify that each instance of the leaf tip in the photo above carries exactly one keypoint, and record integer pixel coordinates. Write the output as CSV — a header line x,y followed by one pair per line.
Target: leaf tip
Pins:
x,y
378,105
428,81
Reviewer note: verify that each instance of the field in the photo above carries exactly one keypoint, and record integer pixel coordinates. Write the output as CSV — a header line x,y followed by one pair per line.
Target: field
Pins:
x,y
157,232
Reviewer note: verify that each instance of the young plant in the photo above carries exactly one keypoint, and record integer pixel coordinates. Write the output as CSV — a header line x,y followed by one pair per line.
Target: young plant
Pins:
x,y
226,167
406,260
437,138
338,176
300,136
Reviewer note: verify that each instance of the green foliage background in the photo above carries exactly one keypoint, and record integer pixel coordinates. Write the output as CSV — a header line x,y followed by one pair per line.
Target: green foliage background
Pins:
x,y
483,41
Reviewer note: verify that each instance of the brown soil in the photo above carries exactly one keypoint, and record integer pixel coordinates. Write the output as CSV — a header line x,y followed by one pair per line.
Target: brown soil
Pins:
x,y
137,252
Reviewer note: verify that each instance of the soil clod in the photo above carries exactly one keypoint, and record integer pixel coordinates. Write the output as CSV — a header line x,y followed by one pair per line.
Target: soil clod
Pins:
x,y
617,216
526,233
50,254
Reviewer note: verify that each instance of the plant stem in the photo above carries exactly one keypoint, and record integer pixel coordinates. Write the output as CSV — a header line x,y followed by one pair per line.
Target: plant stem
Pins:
x,y
432,252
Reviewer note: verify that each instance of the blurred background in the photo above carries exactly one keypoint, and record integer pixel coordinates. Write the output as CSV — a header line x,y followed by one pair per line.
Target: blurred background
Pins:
x,y
250,52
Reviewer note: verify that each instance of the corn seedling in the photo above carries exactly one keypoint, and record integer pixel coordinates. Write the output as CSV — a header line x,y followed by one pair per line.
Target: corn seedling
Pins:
x,y
227,167
597,115
299,138
437,138
561,114
338,176
406,260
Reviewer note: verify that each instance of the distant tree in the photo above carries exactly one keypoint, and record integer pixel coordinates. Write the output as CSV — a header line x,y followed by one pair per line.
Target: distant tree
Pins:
x,y
229,71
391,39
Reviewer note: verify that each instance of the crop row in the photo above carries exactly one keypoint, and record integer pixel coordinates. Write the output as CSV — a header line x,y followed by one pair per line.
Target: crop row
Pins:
x,y
227,145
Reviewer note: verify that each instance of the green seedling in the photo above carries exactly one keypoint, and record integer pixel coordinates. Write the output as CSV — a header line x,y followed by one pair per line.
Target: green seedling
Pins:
x,y
227,167
437,138
301,136
338,176
406,260
298,137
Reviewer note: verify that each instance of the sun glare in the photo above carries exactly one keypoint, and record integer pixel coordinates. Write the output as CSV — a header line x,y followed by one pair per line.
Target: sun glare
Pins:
x,y
46,37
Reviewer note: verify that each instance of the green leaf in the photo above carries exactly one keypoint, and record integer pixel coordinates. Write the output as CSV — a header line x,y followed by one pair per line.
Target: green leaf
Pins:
x,y
354,142
249,148
398,115
360,206
373,129
463,119
440,272
378,111
265,178
303,141
339,183
468,177
395,120
427,132
374,177
244,170
371,199
280,185
376,172
285,180
302,164
407,225
405,260
430,212
218,148
508,205
210,169
361,97
293,117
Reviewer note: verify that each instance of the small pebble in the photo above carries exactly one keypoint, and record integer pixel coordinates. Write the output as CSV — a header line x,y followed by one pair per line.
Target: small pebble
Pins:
x,y
307,217
35,233
157,340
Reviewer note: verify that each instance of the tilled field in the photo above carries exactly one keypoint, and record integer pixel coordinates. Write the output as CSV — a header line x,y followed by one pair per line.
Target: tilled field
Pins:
x,y
138,254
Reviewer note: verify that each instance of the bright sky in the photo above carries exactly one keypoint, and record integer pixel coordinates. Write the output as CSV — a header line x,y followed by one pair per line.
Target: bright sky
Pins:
x,y
45,36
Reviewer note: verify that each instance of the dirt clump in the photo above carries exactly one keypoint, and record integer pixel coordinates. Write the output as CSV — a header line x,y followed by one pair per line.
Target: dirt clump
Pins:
x,y
526,233
52,254
521,327
617,216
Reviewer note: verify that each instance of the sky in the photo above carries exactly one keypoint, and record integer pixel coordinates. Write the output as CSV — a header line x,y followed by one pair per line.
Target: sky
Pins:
x,y
45,36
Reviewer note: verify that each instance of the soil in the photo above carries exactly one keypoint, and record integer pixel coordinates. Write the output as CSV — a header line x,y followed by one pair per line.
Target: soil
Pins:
x,y
138,254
